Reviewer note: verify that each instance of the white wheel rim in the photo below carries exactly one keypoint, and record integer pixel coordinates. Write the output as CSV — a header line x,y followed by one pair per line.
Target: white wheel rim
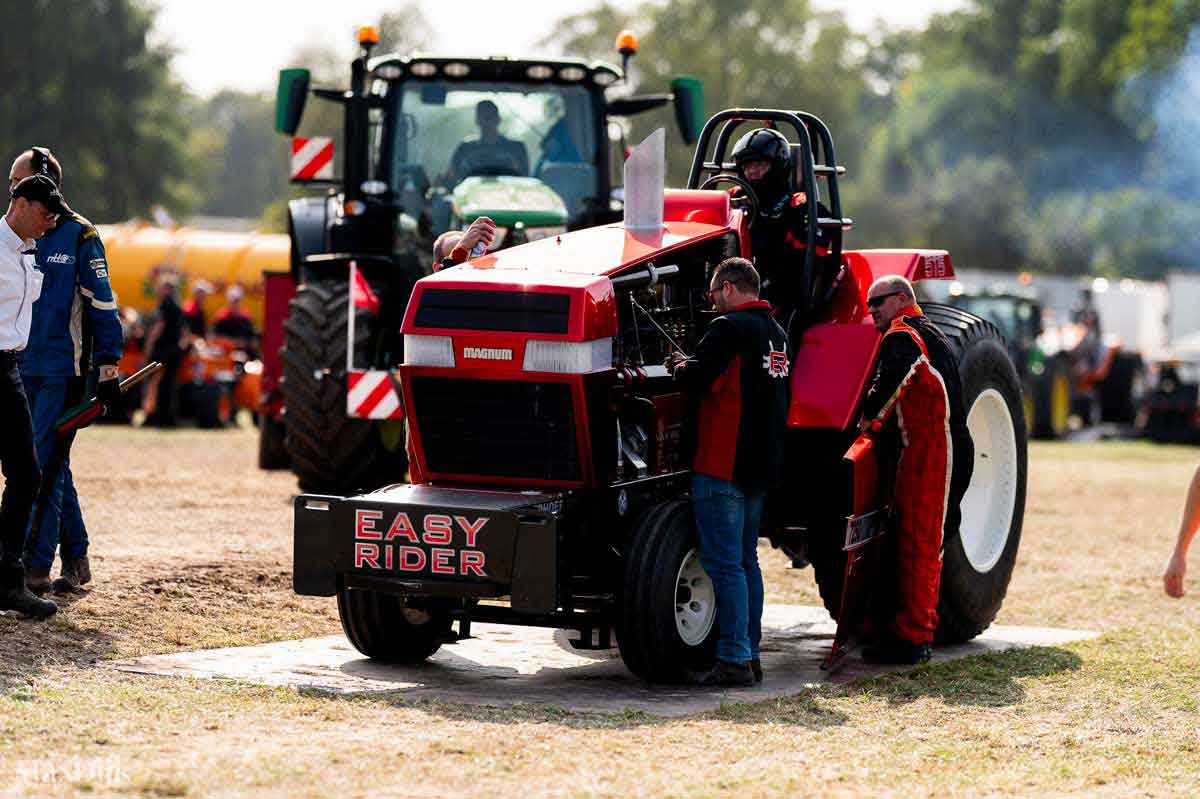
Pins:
x,y
987,507
695,601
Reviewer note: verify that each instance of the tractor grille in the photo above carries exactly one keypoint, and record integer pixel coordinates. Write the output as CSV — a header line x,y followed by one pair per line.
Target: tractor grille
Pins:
x,y
500,428
514,311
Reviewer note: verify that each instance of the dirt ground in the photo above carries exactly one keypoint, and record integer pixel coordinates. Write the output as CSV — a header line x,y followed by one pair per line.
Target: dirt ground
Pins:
x,y
191,548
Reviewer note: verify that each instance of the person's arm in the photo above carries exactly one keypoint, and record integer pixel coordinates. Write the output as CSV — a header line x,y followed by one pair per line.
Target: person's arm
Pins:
x,y
482,230
797,234
1176,568
713,354
897,355
451,176
156,330
99,302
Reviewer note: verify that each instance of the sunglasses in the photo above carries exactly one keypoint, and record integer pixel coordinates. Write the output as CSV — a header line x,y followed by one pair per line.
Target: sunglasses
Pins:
x,y
713,291
875,302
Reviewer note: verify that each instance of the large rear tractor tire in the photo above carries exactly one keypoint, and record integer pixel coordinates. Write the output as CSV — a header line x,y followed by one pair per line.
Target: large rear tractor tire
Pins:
x,y
667,621
330,453
383,627
977,564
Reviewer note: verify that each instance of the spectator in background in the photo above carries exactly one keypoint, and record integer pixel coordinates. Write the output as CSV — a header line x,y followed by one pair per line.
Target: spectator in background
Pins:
x,y
164,342
232,322
193,309
1177,565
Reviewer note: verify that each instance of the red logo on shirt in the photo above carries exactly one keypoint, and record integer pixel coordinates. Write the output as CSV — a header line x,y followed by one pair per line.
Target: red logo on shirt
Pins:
x,y
776,363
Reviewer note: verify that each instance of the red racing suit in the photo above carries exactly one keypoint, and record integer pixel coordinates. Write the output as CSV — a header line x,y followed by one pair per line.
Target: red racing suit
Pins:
x,y
916,393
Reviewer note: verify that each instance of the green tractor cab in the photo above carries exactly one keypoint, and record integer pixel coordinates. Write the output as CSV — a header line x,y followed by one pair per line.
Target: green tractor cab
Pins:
x,y
1046,378
428,145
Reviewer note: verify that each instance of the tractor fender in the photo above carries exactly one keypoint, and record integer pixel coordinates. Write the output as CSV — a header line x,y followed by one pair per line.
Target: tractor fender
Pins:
x,y
834,357
307,221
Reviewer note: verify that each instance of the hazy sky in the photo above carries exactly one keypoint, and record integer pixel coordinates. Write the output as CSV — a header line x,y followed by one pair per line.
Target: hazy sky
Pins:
x,y
242,43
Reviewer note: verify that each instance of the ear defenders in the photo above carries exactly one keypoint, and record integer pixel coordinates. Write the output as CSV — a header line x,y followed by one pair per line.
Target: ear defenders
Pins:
x,y
41,161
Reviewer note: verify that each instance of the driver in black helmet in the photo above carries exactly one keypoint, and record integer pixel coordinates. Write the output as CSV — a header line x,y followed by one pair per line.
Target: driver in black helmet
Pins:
x,y
780,233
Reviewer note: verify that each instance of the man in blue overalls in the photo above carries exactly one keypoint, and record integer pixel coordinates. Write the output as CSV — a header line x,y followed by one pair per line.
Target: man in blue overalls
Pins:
x,y
75,329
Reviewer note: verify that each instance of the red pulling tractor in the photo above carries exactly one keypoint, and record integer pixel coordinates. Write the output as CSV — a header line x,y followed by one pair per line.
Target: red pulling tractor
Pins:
x,y
548,486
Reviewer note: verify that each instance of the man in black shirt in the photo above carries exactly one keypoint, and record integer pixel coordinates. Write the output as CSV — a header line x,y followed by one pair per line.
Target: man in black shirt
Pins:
x,y
234,324
164,343
491,153
739,375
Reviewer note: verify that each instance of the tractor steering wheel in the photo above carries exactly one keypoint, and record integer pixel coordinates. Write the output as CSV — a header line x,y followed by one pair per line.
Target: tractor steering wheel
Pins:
x,y
747,196
488,163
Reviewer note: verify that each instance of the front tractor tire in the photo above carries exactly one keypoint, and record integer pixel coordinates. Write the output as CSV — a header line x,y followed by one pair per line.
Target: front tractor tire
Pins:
x,y
330,453
667,623
977,564
383,627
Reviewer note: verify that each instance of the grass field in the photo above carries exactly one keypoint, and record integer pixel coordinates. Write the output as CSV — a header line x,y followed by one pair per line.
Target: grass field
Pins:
x,y
192,549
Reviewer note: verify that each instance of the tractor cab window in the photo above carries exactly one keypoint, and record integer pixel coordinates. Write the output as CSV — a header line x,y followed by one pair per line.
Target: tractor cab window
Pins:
x,y
447,132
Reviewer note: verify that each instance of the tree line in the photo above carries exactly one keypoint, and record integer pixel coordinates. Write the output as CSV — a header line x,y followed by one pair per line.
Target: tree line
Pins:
x,y
1053,135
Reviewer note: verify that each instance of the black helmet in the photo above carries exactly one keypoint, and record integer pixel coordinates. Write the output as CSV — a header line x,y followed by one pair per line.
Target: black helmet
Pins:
x,y
765,144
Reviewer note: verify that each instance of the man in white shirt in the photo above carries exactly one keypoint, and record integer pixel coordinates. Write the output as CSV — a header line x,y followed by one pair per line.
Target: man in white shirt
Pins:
x,y
33,210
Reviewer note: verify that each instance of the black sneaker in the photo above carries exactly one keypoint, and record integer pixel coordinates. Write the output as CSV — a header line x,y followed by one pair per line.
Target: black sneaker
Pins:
x,y
756,669
725,674
896,651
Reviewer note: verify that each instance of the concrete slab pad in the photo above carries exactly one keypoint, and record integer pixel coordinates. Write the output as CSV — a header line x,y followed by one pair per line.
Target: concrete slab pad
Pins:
x,y
505,665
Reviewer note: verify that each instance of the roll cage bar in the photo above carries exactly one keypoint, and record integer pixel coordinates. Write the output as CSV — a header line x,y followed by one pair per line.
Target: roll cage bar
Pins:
x,y
816,159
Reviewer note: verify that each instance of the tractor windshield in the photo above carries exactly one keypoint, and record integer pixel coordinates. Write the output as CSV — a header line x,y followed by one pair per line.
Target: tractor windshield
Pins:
x,y
445,132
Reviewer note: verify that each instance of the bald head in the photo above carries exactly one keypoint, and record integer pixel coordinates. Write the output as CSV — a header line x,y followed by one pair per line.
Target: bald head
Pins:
x,y
443,246
31,163
888,296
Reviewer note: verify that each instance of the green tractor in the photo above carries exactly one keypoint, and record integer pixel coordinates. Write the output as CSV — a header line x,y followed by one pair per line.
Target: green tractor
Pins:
x,y
429,145
1046,376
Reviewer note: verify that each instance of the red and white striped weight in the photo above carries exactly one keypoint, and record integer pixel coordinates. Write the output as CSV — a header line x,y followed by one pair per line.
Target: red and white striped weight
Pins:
x,y
312,158
370,394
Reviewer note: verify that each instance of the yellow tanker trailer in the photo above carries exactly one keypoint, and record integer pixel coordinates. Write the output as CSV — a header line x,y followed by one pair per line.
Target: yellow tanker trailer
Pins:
x,y
216,378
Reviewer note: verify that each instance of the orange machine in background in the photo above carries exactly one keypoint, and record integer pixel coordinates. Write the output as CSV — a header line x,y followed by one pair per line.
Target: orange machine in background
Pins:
x,y
139,252
215,379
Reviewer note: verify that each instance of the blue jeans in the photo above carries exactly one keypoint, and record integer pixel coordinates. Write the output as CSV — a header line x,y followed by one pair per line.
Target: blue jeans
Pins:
x,y
63,519
727,519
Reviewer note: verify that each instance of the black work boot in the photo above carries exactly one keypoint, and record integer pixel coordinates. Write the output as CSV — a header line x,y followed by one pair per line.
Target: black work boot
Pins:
x,y
15,596
37,580
725,673
756,669
893,650
76,572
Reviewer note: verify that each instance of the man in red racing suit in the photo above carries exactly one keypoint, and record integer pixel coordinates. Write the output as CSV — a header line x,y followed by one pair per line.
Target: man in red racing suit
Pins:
x,y
916,395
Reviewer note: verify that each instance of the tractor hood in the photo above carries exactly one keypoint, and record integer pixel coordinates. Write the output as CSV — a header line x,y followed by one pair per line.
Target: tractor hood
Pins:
x,y
509,200
690,217
559,286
